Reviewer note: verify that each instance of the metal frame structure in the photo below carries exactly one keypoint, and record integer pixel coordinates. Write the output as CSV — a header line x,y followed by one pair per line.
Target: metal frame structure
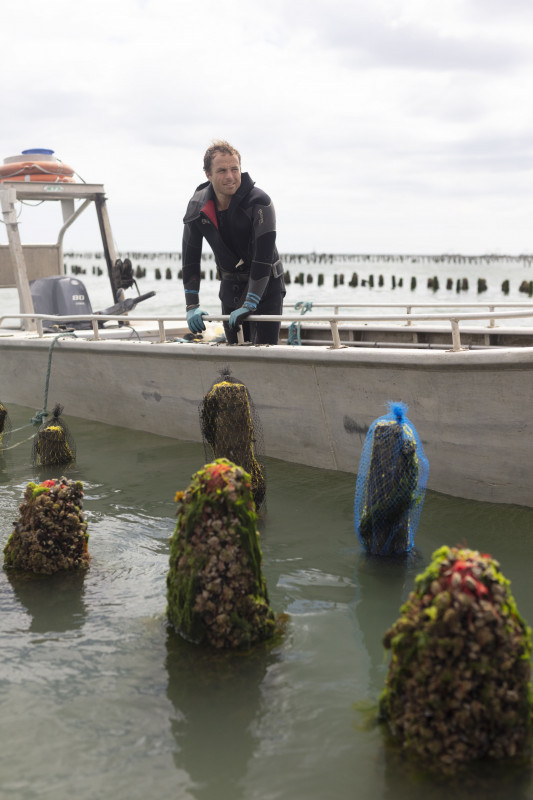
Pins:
x,y
12,192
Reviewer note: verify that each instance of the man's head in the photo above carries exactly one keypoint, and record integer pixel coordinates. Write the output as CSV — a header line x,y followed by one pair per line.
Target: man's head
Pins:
x,y
219,146
222,164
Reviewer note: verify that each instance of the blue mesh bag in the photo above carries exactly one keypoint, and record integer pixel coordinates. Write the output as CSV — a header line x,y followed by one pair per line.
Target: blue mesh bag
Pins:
x,y
391,484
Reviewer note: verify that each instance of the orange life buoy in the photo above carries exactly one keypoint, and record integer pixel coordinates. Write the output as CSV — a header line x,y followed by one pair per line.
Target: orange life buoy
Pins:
x,y
16,168
38,178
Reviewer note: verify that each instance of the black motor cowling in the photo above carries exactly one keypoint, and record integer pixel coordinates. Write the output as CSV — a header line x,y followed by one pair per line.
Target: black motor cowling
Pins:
x,y
61,296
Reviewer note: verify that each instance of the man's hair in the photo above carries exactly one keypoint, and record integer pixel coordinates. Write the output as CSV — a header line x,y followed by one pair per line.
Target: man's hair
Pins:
x,y
219,146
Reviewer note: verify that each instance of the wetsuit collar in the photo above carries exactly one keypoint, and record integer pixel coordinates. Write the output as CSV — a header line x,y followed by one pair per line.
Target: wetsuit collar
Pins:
x,y
204,192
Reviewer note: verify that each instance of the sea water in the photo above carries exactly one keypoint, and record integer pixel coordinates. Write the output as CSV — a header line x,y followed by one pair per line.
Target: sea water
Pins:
x,y
370,271
380,280
100,699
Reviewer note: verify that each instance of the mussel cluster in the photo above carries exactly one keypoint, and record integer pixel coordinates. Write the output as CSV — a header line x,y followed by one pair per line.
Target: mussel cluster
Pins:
x,y
391,492
458,687
215,588
231,429
53,445
5,424
391,484
50,534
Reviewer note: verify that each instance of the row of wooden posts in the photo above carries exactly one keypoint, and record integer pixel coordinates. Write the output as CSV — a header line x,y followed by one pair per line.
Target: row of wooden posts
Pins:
x,y
343,258
459,284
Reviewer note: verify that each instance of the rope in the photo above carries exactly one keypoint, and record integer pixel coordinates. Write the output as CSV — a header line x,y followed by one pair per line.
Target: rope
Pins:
x,y
294,336
22,170
12,446
41,415
9,433
21,428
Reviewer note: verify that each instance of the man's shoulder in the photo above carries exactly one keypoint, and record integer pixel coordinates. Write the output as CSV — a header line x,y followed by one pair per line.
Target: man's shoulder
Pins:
x,y
253,195
197,202
259,197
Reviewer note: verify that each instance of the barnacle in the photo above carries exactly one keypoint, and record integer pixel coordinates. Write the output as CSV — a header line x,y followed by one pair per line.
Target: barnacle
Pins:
x,y
50,534
215,588
231,429
457,687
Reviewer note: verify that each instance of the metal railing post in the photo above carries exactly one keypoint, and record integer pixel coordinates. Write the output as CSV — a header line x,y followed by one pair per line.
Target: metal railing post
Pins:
x,y
335,334
456,336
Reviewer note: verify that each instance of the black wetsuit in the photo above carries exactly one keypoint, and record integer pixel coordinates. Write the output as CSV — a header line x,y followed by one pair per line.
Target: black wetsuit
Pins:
x,y
243,241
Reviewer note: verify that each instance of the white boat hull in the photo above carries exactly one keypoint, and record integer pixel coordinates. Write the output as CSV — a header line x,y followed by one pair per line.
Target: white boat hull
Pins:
x,y
471,408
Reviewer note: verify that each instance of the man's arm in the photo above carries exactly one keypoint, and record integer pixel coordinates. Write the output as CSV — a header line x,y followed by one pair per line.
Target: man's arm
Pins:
x,y
264,250
263,257
191,254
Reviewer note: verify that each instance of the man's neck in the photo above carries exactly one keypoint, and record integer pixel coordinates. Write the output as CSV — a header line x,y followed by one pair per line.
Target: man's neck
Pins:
x,y
222,202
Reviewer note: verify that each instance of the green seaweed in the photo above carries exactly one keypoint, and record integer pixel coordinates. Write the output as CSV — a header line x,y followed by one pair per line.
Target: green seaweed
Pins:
x,y
216,592
228,428
457,688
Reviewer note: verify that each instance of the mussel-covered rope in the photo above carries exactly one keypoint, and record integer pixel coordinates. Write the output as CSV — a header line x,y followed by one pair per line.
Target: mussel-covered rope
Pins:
x,y
293,335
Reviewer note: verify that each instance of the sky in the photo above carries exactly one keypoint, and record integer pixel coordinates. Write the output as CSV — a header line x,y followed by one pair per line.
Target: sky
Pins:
x,y
376,126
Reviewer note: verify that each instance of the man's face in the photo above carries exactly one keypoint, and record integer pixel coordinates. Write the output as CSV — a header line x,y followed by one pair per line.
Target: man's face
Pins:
x,y
225,174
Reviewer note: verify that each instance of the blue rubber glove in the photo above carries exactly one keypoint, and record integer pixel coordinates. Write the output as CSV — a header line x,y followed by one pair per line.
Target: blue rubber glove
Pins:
x,y
247,308
194,319
239,315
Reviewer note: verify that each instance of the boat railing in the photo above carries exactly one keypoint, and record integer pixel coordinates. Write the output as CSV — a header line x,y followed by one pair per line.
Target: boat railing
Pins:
x,y
453,319
489,306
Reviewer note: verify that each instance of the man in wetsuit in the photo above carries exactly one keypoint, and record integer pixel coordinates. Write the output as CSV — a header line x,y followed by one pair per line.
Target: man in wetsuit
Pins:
x,y
239,223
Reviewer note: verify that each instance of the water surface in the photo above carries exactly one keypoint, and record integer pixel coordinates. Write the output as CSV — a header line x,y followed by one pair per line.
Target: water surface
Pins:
x,y
100,699
169,297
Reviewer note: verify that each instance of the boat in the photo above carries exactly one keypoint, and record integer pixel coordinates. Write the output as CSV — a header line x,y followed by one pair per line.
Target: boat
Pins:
x,y
466,381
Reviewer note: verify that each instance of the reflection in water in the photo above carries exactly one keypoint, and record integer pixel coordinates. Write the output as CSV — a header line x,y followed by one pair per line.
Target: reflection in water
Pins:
x,y
216,697
55,602
499,781
383,584
4,474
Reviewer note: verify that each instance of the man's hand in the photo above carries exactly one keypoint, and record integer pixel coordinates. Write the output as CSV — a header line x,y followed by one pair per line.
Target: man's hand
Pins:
x,y
247,308
238,316
195,319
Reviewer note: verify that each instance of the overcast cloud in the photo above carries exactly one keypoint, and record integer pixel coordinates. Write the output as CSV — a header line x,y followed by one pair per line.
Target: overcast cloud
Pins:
x,y
375,125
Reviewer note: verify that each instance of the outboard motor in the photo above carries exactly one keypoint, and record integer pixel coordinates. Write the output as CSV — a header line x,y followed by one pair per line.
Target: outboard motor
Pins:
x,y
62,296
